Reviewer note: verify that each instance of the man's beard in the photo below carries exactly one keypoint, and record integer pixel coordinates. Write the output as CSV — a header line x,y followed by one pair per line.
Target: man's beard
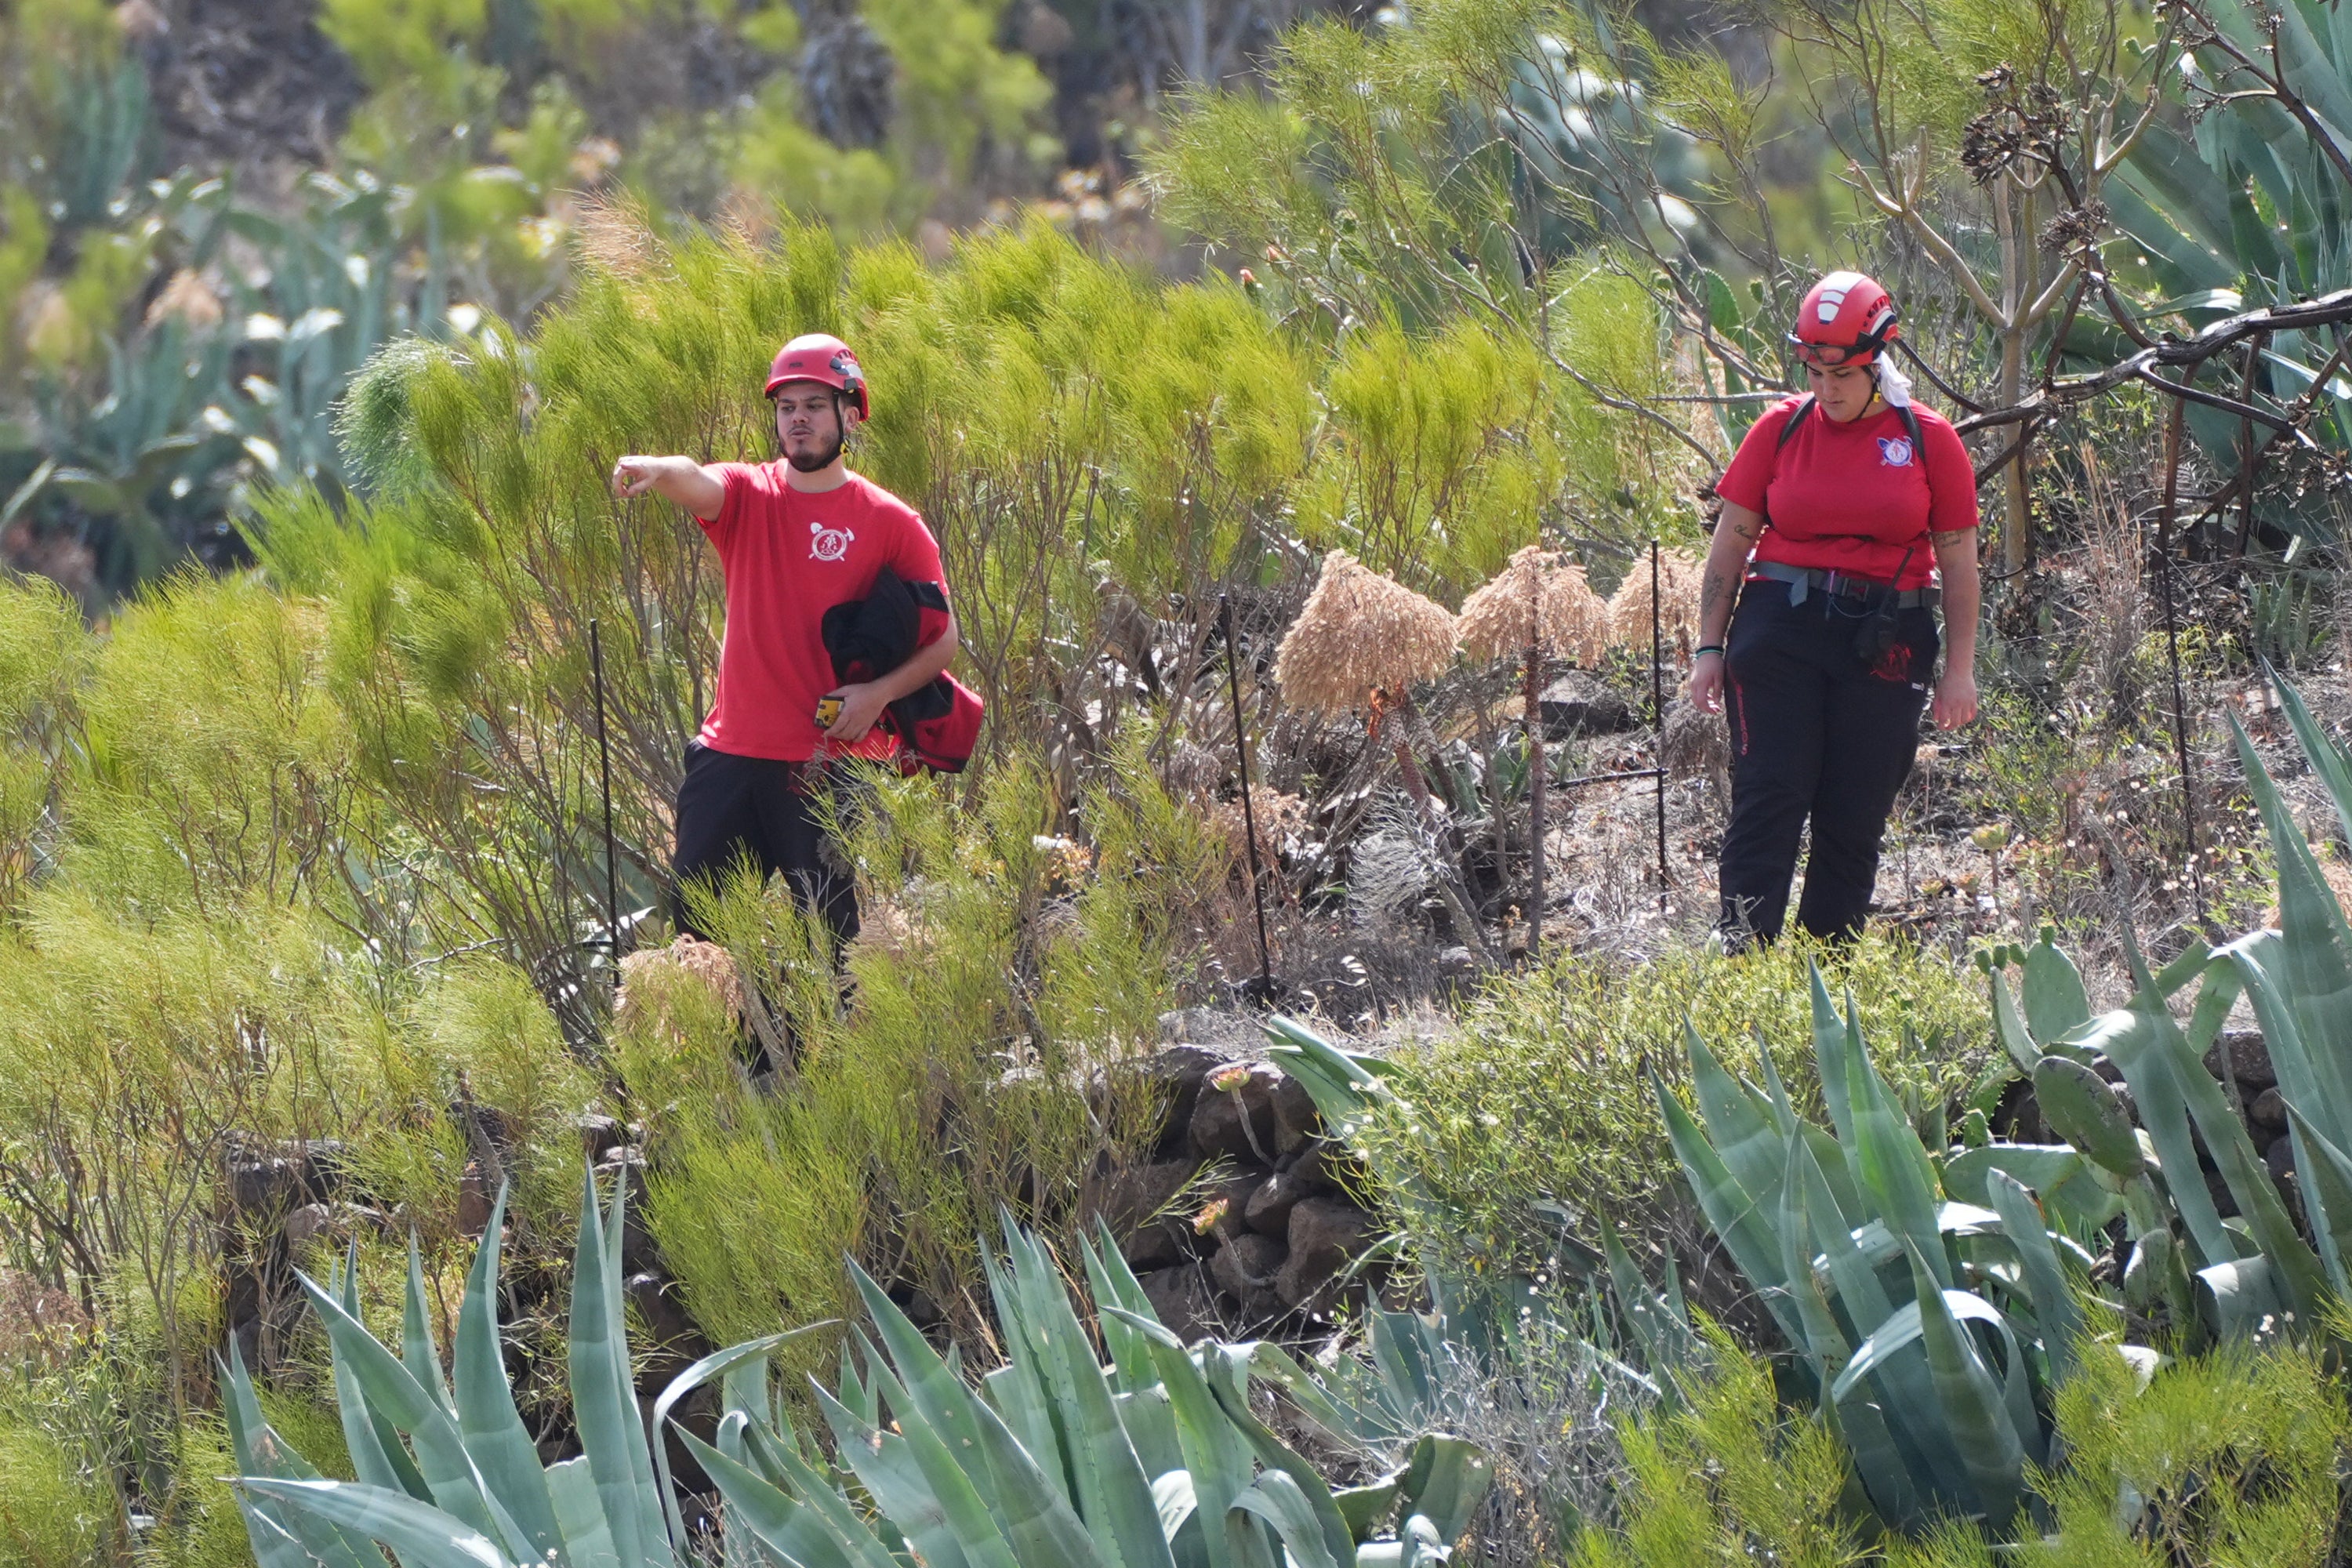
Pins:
x,y
814,462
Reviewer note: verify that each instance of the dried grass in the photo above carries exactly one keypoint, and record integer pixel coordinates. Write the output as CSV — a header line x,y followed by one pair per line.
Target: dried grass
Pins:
x,y
188,297
649,979
1680,576
614,235
1360,633
1282,820
1539,598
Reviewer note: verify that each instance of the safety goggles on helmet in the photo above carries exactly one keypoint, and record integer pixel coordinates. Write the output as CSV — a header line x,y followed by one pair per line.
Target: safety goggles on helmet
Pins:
x,y
1830,356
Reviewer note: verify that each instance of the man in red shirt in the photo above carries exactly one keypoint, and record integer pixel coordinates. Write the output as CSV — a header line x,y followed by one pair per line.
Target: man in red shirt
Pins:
x,y
796,537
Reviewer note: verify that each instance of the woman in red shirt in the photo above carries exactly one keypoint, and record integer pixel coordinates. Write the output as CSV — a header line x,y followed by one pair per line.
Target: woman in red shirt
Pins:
x,y
1847,513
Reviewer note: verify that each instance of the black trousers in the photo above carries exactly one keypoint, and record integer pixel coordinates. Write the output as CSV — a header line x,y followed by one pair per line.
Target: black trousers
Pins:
x,y
1815,733
733,811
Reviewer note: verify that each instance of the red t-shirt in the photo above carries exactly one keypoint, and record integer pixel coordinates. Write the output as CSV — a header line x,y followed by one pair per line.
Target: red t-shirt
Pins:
x,y
790,556
1852,497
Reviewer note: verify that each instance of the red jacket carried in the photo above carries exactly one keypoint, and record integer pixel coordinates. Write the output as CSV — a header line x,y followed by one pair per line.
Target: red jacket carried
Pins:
x,y
936,724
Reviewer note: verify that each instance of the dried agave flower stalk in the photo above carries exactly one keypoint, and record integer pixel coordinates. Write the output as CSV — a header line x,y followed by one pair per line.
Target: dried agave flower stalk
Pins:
x,y
1541,601
650,979
1538,606
1360,633
1680,576
1362,638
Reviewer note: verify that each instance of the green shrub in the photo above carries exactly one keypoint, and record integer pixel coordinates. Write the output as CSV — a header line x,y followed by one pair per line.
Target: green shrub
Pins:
x,y
2229,1458
1535,1095
995,977
52,1513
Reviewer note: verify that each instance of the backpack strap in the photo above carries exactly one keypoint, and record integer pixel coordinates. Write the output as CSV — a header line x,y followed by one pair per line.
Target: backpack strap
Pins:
x,y
1805,407
1797,418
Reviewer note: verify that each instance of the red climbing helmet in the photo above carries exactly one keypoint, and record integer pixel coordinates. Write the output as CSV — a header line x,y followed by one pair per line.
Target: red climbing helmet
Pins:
x,y
1847,319
824,359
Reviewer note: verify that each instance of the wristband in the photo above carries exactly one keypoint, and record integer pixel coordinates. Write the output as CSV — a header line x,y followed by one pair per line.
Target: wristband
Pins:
x,y
1715,647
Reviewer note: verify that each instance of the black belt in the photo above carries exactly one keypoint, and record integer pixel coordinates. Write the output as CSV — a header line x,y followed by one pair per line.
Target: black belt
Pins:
x,y
1801,580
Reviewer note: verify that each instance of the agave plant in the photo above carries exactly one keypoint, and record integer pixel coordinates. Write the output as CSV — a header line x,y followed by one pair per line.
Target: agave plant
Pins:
x,y
1934,1298
1055,1460
1931,1325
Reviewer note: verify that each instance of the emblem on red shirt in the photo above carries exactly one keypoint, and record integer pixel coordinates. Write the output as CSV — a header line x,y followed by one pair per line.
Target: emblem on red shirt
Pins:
x,y
833,543
1894,452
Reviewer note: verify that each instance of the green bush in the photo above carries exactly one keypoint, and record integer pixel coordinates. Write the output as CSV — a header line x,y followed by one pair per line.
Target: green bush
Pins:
x,y
52,1513
997,976
1536,1096
2215,1461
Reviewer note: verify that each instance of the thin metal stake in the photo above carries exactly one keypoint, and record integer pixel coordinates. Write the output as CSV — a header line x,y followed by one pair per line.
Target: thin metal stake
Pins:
x,y
604,769
1658,713
1249,813
2172,648
1539,766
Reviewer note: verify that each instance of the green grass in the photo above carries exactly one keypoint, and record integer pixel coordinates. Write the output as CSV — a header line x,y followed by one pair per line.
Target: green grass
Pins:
x,y
1539,1093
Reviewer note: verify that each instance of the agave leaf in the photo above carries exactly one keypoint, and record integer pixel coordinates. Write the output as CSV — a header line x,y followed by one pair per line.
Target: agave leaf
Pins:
x,y
1728,1208
1018,1388
1894,1170
1115,1284
1368,1508
448,1470
1036,1523
493,1429
423,1535
2236,1298
1309,1490
1272,1363
1824,1342
1218,1456
378,1457
1971,1401
2141,1040
2302,989
1173,1494
2053,1297
886,1465
816,1530
603,1395
1445,1480
1114,1495
2167,1058
2330,1171
720,1364
1901,1460
2326,758
1828,1052
1668,1340
279,1541
1742,1132
580,1515
417,1348
1275,1499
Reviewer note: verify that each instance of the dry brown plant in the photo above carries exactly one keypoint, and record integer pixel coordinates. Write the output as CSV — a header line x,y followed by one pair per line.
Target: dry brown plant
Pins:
x,y
614,233
1360,633
650,979
190,299
1680,575
1541,601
